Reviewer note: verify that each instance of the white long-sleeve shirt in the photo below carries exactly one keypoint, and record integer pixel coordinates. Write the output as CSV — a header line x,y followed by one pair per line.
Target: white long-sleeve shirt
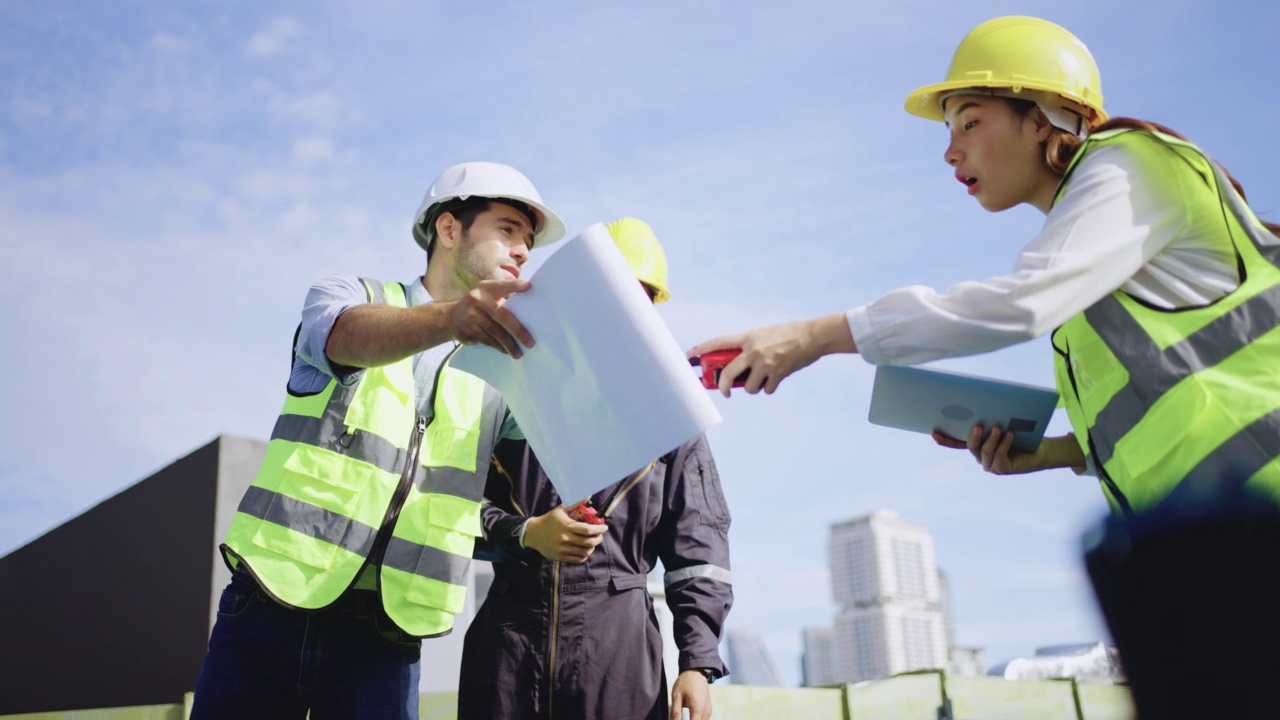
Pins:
x,y
1121,223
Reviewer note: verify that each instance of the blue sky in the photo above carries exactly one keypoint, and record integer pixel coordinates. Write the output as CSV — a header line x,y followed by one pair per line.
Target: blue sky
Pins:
x,y
174,175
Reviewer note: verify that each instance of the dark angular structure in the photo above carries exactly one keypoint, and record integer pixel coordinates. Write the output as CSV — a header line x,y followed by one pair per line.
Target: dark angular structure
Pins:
x,y
113,608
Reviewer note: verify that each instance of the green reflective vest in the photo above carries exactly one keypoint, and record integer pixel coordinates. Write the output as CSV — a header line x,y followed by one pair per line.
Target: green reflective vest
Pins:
x,y
355,476
1184,400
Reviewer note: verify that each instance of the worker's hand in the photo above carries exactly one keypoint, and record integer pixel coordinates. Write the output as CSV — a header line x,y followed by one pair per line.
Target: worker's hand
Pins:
x,y
993,450
692,691
479,317
556,536
770,354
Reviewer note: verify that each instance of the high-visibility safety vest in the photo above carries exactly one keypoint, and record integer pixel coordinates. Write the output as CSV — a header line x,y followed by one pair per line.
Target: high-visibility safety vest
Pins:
x,y
1184,400
356,476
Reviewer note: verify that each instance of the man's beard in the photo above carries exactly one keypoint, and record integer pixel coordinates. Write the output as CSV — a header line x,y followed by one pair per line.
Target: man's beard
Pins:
x,y
471,266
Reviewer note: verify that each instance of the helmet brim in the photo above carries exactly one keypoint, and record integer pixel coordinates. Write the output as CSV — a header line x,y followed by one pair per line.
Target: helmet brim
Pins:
x,y
926,101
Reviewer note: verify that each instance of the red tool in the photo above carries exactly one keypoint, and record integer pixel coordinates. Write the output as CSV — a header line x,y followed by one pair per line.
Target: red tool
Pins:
x,y
587,514
712,363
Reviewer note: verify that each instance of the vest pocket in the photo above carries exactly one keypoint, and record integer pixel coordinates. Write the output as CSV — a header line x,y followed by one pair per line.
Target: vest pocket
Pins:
x,y
316,494
1097,373
292,545
456,522
453,524
448,445
324,479
380,407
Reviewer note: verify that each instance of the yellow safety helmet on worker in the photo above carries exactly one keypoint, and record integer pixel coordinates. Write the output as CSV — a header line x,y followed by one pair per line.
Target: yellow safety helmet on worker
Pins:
x,y
644,253
1022,57
488,180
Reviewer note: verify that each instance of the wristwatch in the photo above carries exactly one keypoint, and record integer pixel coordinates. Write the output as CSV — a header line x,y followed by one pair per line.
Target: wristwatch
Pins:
x,y
708,673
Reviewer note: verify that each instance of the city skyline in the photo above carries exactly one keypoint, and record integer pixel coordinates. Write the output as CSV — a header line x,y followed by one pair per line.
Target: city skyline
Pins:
x,y
173,177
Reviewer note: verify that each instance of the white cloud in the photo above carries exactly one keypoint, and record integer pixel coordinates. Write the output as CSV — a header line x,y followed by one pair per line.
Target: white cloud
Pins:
x,y
322,108
27,111
168,43
308,151
273,39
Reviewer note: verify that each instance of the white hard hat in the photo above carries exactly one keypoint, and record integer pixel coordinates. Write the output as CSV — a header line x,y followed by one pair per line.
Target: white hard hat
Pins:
x,y
490,180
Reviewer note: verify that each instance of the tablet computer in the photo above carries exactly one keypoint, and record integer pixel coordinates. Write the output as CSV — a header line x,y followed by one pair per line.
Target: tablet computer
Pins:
x,y
912,398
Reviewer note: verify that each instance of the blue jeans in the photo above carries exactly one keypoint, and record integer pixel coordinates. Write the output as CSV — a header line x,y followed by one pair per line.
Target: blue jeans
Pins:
x,y
268,661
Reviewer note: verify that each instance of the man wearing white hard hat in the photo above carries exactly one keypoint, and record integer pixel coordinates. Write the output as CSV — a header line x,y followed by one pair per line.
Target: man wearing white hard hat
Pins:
x,y
354,541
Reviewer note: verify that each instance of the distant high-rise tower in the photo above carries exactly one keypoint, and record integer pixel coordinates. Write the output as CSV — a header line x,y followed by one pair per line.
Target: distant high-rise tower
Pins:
x,y
817,663
884,575
749,660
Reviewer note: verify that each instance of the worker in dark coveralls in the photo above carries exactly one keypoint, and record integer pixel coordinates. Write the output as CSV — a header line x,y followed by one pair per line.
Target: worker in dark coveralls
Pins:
x,y
568,628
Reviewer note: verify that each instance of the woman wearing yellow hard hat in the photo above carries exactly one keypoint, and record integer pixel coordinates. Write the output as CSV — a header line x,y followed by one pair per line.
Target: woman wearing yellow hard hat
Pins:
x,y
1158,283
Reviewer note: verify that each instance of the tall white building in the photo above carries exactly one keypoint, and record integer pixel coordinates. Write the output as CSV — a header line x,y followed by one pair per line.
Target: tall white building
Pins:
x,y
817,664
884,576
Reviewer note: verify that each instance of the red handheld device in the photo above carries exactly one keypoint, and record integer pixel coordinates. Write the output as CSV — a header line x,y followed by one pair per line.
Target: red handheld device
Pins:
x,y
712,363
587,514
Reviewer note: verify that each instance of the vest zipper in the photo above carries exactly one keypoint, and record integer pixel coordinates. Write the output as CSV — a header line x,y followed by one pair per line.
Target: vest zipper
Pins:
x,y
1103,476
401,493
555,633
406,475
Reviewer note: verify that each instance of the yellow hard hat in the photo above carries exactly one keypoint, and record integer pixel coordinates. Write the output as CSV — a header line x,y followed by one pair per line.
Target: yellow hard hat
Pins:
x,y
1018,53
644,253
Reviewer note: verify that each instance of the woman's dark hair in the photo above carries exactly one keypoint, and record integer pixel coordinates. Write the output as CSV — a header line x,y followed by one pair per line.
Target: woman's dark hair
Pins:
x,y
1062,146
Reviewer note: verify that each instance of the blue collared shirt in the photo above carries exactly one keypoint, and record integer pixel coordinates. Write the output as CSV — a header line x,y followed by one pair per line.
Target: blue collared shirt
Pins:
x,y
326,301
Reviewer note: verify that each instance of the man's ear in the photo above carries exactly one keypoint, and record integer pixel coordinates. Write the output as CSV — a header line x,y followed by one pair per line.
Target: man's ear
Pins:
x,y
448,230
1044,128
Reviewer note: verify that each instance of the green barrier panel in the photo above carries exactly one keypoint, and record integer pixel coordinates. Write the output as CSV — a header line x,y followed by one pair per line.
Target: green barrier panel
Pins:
x,y
144,712
902,697
1105,702
438,706
910,696
994,698
752,702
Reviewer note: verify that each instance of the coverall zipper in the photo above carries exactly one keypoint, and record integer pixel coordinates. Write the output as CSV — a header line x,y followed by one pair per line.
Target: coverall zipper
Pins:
x,y
555,633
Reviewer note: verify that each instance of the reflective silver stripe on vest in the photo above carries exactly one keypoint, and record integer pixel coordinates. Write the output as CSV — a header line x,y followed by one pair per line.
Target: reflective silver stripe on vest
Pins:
x,y
310,520
329,432
715,572
426,561
452,481
1153,372
377,293
1238,458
